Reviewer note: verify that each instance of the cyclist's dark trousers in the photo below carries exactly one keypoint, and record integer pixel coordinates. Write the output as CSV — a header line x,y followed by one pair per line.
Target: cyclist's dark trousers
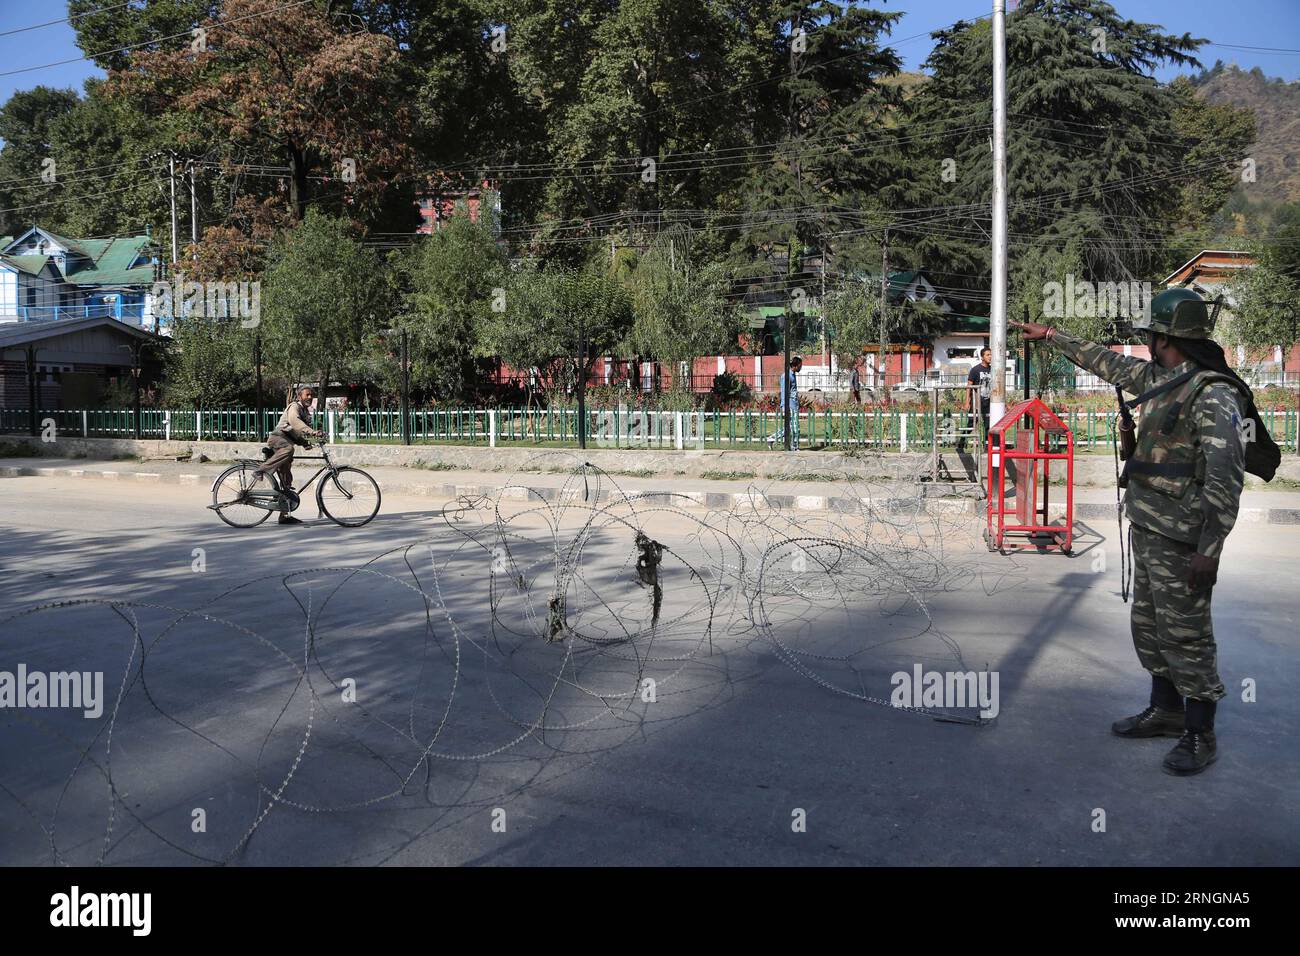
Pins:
x,y
281,460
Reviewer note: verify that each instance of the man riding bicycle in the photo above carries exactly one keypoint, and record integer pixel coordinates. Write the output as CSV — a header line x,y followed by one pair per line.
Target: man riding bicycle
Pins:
x,y
294,428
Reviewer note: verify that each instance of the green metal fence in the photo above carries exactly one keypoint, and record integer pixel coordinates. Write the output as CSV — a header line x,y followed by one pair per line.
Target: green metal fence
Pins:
x,y
227,424
872,428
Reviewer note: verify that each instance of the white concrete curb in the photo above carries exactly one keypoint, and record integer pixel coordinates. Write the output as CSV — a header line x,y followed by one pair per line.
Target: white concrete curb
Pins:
x,y
1088,510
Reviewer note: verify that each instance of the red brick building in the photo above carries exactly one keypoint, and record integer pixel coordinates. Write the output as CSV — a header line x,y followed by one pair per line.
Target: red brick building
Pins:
x,y
438,204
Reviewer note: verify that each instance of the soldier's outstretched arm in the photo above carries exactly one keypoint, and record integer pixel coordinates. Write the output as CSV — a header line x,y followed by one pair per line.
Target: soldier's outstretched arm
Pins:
x,y
1134,375
1218,414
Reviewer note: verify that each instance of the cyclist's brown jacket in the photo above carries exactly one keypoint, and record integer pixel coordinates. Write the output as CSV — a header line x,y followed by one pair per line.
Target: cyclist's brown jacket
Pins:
x,y
295,423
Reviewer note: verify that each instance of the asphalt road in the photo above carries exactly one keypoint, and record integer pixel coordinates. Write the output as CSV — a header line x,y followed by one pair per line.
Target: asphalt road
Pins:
x,y
388,695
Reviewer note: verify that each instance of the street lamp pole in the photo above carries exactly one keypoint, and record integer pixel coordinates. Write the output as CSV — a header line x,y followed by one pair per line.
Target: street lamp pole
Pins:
x,y
257,372
33,396
582,382
135,350
406,388
1295,328
135,375
786,391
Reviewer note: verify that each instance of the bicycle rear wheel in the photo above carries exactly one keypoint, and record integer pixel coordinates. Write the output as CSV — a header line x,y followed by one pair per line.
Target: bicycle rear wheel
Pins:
x,y
348,497
229,494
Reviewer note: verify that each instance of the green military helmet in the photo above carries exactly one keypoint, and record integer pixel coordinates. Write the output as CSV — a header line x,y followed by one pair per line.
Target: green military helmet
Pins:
x,y
1180,312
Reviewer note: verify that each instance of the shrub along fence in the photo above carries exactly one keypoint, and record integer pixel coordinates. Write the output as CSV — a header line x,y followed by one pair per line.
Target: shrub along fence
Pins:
x,y
872,427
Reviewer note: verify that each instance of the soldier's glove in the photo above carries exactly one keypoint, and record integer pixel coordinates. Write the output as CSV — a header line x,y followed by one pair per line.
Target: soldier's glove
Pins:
x,y
1203,572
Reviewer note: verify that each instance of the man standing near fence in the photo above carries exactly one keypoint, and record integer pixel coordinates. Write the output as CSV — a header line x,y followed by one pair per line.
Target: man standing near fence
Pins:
x,y
294,428
979,382
789,399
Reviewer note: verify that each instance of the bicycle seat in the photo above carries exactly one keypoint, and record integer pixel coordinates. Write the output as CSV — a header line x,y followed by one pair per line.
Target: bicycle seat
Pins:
x,y
266,452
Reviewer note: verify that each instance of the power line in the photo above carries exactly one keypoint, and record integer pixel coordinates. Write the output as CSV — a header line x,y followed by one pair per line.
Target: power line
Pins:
x,y
118,169
136,46
68,19
1255,49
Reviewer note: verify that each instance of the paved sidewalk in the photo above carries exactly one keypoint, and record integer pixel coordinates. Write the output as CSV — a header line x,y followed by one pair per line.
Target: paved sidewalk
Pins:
x,y
1258,506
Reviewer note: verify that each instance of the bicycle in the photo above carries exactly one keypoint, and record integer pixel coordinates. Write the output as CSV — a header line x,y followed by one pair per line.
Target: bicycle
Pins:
x,y
348,496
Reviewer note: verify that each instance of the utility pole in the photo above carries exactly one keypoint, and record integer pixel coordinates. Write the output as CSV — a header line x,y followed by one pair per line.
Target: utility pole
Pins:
x,y
1025,370
135,375
1295,320
135,349
194,210
821,305
998,310
33,390
406,389
582,383
786,390
171,182
884,311
257,365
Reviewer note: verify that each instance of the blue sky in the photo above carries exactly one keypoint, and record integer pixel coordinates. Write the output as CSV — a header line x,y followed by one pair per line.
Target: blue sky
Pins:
x,y
1258,23
1251,23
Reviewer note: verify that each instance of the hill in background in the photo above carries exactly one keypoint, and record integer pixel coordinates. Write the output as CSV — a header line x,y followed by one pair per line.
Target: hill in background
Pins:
x,y
1276,104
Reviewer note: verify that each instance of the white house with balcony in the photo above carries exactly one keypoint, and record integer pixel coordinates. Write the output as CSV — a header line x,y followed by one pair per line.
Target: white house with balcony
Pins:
x,y
45,277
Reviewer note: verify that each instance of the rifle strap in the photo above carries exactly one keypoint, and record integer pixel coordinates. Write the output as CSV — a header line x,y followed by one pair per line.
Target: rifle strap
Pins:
x,y
1164,387
1162,469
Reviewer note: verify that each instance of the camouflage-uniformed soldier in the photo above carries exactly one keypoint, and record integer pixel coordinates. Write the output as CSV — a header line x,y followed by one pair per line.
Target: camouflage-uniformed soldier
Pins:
x,y
1183,485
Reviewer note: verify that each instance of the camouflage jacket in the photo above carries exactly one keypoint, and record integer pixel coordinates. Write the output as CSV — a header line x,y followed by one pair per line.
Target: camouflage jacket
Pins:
x,y
1200,506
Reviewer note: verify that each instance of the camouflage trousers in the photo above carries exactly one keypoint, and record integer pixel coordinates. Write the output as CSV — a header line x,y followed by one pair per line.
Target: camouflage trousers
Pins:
x,y
1171,625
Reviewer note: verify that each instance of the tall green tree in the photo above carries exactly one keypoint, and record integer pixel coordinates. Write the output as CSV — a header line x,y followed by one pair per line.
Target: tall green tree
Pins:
x,y
323,293
1267,297
109,33
819,142
548,311
646,111
851,312
549,46
1095,152
208,364
292,86
456,278
682,310
27,123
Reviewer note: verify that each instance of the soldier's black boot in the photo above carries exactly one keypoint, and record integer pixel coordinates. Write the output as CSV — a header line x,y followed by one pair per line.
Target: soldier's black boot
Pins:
x,y
1164,718
1197,749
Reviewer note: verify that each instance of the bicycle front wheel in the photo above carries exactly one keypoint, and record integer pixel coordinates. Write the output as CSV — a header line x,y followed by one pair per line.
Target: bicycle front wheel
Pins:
x,y
230,496
348,497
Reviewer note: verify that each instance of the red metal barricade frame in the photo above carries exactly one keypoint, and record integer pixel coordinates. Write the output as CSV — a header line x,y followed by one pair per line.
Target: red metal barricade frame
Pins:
x,y
1044,422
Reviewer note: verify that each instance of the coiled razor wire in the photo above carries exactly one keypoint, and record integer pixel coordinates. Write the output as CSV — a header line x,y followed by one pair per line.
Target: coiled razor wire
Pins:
x,y
597,603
